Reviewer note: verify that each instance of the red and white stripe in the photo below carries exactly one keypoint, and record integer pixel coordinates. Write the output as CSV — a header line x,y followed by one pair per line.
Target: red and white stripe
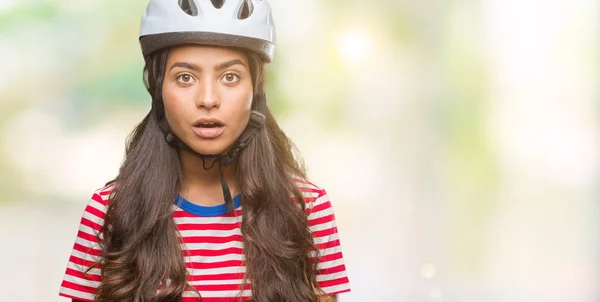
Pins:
x,y
212,248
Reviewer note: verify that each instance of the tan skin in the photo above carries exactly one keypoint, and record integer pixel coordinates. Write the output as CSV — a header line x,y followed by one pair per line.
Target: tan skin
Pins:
x,y
206,81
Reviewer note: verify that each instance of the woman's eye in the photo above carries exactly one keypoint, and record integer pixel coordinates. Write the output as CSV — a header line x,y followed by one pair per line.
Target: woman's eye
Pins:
x,y
185,78
230,78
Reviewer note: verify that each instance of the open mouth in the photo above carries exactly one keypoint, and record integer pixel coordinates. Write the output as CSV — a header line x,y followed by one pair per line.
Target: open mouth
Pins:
x,y
208,125
208,122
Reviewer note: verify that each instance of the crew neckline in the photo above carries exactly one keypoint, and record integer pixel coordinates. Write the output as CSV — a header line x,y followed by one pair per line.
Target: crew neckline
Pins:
x,y
205,211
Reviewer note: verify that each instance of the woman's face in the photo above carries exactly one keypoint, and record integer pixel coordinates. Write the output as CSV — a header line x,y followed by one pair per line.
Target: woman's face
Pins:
x,y
207,93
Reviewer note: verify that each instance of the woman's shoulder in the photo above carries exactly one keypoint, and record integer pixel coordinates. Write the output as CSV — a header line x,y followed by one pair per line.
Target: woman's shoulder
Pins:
x,y
309,189
102,195
315,197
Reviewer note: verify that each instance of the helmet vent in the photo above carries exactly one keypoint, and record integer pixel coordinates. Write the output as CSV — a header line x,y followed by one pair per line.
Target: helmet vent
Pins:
x,y
217,3
245,10
189,7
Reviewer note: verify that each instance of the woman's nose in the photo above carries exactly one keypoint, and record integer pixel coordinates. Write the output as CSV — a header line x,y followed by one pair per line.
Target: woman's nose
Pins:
x,y
208,95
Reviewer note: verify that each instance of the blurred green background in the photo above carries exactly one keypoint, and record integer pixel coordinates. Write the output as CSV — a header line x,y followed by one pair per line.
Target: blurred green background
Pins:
x,y
459,139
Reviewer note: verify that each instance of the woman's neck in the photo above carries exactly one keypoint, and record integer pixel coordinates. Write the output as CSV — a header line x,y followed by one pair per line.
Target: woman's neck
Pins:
x,y
201,186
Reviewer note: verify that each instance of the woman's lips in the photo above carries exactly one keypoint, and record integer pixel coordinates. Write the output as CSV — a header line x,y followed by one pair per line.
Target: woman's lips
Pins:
x,y
208,121
208,127
208,132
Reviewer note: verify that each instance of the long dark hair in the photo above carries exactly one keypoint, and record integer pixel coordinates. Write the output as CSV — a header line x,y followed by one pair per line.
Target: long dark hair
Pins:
x,y
139,238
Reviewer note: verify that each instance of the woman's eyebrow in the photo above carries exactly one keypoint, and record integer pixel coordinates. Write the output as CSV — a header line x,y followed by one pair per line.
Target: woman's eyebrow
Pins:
x,y
229,64
195,67
186,65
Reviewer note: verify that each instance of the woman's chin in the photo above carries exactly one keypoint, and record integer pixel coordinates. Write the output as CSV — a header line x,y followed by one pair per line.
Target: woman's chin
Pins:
x,y
210,148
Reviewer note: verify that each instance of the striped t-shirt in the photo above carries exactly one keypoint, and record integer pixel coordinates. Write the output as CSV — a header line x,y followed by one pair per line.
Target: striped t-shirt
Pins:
x,y
212,247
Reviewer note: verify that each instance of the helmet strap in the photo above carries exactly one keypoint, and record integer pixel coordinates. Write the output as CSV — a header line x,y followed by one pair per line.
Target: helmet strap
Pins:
x,y
255,123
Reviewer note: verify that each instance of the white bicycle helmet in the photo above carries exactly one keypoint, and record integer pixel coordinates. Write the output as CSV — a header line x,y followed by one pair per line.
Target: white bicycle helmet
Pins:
x,y
235,23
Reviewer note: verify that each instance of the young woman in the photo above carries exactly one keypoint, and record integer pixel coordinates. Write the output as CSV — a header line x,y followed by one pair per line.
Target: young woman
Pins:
x,y
167,228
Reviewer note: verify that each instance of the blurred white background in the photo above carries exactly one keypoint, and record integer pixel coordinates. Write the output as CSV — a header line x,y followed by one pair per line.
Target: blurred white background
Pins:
x,y
457,139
